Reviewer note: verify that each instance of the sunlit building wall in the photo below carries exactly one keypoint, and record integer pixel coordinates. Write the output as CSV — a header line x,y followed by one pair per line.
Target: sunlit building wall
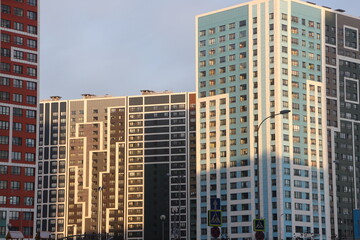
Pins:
x,y
254,60
116,164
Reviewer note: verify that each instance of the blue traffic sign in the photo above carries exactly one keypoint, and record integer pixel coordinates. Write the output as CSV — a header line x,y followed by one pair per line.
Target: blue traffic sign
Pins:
x,y
215,204
259,225
214,218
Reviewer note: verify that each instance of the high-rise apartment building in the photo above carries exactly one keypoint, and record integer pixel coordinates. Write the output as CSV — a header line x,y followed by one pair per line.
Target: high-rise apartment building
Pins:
x,y
18,114
116,165
253,61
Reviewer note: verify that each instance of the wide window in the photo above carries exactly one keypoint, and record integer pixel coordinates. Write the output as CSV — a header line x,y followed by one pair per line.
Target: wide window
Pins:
x,y
31,2
32,29
18,26
18,69
31,43
31,72
18,40
4,96
5,52
5,67
31,100
18,54
17,97
32,15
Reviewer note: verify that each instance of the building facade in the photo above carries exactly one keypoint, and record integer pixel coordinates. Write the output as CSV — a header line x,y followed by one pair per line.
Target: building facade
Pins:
x,y
18,115
253,61
343,119
116,165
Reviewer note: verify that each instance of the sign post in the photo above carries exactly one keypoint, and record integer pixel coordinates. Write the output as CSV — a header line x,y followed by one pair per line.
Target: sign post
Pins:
x,y
215,232
214,218
259,225
259,228
215,203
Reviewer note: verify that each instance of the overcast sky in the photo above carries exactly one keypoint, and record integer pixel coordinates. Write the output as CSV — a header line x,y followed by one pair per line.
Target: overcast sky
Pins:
x,y
119,47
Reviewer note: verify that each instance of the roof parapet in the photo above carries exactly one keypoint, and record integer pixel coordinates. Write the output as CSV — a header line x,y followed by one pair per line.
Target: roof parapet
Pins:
x,y
55,98
150,92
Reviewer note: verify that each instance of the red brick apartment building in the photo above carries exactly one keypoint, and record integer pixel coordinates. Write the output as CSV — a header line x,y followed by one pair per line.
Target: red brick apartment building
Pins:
x,y
18,114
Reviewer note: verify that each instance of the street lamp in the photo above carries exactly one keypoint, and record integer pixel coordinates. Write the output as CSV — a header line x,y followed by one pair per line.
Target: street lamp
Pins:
x,y
162,218
282,112
100,191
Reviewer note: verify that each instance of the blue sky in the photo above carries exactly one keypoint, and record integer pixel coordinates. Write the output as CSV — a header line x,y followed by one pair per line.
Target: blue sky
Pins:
x,y
120,47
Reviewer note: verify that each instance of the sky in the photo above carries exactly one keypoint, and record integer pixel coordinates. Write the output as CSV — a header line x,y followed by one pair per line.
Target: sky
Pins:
x,y
119,47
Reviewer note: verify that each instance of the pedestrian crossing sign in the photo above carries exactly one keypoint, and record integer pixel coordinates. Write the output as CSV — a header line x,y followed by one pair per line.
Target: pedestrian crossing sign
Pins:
x,y
214,218
259,225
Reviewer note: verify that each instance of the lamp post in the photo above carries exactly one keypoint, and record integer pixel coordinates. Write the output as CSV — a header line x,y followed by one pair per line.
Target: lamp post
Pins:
x,y
100,189
282,112
162,218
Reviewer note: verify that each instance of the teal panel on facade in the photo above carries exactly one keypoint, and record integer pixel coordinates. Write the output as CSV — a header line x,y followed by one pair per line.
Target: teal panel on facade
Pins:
x,y
221,17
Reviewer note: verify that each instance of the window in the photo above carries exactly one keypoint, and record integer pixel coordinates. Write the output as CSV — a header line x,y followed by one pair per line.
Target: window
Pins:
x,y
29,172
17,126
5,37
4,140
31,100
30,142
18,12
3,155
28,200
32,29
5,9
5,52
18,69
17,83
30,113
14,215
4,110
5,67
30,157
14,184
17,141
31,85
30,128
18,40
3,184
32,15
4,125
5,23
18,26
17,97
17,112
31,71
14,200
4,96
28,186
31,43
32,2
32,57
3,201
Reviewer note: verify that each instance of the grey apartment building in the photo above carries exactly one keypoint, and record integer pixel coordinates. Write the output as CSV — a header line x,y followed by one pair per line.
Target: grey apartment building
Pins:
x,y
117,164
